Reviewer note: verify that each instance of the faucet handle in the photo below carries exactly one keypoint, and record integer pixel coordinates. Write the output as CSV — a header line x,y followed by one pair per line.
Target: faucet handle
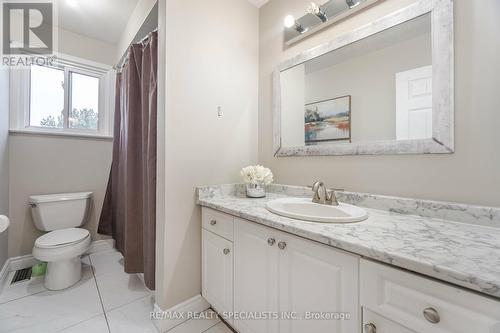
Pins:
x,y
331,197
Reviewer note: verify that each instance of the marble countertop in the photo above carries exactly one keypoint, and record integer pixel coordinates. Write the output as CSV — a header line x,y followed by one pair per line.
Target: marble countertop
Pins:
x,y
466,255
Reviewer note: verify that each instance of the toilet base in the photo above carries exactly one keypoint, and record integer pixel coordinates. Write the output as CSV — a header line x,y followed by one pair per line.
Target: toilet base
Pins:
x,y
63,274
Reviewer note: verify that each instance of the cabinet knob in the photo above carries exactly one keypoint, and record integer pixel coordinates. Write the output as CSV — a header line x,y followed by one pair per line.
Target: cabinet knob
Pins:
x,y
271,241
226,251
370,328
432,315
213,222
282,245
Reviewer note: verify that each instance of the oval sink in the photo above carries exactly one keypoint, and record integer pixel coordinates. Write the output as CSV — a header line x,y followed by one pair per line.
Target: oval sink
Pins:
x,y
305,209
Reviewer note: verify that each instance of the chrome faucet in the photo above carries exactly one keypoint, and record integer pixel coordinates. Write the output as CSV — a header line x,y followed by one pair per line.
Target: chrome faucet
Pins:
x,y
323,196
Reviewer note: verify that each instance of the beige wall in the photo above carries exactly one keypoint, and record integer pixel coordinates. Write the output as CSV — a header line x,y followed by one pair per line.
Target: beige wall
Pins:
x,y
86,48
43,165
212,60
471,175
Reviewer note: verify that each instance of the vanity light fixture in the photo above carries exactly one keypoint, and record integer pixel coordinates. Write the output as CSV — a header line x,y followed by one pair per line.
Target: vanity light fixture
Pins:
x,y
352,3
316,10
320,16
291,23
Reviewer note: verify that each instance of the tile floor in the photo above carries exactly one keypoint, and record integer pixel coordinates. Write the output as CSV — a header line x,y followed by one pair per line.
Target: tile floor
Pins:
x,y
106,300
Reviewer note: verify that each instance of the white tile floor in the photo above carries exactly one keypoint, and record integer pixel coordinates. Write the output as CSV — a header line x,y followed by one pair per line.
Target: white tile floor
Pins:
x,y
106,300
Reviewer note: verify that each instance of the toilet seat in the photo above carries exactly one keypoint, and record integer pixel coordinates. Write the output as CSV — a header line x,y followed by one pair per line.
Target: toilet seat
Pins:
x,y
62,244
61,238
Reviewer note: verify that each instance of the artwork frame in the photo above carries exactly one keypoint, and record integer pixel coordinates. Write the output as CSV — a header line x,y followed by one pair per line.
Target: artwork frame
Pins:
x,y
328,120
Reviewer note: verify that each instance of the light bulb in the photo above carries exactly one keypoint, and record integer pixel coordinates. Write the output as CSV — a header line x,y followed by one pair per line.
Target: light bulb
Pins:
x,y
313,9
289,21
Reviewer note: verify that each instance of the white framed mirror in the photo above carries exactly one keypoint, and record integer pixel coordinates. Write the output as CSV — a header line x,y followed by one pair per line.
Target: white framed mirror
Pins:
x,y
384,88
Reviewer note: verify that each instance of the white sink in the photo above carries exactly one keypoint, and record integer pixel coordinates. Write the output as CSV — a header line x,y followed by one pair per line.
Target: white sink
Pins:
x,y
305,209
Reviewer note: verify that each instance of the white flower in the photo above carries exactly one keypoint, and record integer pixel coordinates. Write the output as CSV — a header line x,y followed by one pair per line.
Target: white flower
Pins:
x,y
257,175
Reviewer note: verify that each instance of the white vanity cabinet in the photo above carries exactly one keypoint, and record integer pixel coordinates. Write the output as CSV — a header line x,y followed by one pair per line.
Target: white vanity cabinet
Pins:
x,y
217,261
423,305
274,282
312,287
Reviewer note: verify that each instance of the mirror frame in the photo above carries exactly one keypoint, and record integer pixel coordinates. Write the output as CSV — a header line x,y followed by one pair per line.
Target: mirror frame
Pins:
x,y
442,141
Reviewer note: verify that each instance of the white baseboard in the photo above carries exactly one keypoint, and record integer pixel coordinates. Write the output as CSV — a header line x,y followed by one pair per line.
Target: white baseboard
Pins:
x,y
195,304
15,263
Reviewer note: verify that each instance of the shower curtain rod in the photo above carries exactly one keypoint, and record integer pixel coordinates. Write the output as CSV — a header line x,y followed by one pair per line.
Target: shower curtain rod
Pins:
x,y
118,67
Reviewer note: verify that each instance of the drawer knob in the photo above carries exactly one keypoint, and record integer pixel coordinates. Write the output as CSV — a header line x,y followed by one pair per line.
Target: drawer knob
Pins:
x,y
370,328
282,245
271,241
432,315
213,222
226,252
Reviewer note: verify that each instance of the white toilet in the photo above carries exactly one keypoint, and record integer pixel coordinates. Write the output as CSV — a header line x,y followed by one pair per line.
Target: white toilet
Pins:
x,y
62,246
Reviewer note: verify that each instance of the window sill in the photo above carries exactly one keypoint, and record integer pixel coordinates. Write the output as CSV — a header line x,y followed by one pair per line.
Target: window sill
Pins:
x,y
60,134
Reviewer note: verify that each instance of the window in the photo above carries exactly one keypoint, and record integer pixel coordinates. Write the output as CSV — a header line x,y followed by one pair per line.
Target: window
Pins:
x,y
46,97
84,102
72,98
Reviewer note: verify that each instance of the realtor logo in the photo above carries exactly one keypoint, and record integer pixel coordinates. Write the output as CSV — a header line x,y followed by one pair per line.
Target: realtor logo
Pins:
x,y
27,27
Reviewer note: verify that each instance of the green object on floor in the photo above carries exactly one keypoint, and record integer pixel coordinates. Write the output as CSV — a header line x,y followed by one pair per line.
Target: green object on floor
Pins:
x,y
39,269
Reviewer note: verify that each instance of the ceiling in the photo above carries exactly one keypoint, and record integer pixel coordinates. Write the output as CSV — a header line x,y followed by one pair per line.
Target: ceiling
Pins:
x,y
104,20
99,19
258,3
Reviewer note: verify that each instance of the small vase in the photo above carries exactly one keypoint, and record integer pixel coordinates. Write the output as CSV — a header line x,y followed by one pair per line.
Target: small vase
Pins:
x,y
256,191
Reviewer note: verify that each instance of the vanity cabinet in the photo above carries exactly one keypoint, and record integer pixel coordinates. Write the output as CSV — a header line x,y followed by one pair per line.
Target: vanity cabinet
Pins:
x,y
275,282
217,265
423,305
312,287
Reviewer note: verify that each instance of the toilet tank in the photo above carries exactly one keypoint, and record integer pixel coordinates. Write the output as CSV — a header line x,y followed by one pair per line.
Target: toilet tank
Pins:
x,y
60,211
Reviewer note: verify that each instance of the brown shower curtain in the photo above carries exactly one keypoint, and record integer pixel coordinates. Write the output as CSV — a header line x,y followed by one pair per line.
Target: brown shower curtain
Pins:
x,y
129,208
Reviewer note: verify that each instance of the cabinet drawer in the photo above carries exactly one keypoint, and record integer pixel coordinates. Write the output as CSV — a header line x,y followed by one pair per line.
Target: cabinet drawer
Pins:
x,y
403,297
217,222
381,324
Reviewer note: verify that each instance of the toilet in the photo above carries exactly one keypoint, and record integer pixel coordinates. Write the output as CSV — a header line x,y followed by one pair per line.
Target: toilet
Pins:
x,y
61,216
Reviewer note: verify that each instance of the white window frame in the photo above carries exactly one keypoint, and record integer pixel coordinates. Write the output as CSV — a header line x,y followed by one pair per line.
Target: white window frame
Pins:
x,y
20,98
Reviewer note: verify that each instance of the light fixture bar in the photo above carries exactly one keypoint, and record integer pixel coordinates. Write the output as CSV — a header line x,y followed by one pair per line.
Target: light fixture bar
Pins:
x,y
321,16
316,10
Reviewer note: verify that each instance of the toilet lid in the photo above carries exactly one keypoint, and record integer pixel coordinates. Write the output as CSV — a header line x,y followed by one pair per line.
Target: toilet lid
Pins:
x,y
62,237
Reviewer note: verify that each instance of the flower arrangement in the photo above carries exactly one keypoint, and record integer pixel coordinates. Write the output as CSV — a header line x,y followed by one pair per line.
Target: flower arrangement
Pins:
x,y
256,178
257,175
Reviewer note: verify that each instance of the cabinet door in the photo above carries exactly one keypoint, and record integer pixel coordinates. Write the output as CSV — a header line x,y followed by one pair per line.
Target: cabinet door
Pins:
x,y
319,285
255,277
217,263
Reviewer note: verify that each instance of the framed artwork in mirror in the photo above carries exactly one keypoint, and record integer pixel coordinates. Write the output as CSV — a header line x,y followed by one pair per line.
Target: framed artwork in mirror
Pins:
x,y
328,121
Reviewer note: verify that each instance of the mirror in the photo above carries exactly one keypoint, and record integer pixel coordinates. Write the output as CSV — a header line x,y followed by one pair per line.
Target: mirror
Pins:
x,y
381,92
